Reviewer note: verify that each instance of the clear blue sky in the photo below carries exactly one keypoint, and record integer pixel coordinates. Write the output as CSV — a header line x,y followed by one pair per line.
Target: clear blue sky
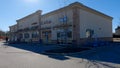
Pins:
x,y
11,10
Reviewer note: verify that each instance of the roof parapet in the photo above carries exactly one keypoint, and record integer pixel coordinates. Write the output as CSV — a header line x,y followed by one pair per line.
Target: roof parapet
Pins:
x,y
37,12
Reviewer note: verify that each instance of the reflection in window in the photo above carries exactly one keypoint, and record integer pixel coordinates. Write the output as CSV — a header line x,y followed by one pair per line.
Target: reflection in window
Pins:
x,y
34,34
20,35
64,34
58,34
26,35
69,34
63,19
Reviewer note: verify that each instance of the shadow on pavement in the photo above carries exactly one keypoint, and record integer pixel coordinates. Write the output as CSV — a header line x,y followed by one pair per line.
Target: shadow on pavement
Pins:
x,y
110,55
39,48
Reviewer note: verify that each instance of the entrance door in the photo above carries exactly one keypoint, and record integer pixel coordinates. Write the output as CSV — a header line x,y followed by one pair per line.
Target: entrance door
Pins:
x,y
61,37
46,37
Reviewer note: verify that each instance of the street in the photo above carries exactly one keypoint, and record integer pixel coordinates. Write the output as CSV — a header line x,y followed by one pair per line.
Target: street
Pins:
x,y
13,57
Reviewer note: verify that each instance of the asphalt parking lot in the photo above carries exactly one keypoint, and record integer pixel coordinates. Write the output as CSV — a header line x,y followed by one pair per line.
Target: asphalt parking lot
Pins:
x,y
28,56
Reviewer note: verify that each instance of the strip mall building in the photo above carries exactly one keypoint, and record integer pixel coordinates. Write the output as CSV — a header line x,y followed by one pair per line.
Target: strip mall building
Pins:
x,y
74,23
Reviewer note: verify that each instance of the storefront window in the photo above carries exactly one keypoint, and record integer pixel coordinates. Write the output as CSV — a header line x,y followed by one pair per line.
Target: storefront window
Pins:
x,y
64,34
20,35
89,33
26,35
63,19
69,34
58,34
34,35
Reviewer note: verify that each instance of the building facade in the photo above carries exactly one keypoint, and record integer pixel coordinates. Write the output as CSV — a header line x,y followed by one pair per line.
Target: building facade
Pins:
x,y
28,27
74,23
13,32
117,31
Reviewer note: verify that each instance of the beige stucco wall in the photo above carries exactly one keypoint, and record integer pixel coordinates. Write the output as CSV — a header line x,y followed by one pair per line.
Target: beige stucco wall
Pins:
x,y
54,18
102,26
13,28
29,20
55,21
